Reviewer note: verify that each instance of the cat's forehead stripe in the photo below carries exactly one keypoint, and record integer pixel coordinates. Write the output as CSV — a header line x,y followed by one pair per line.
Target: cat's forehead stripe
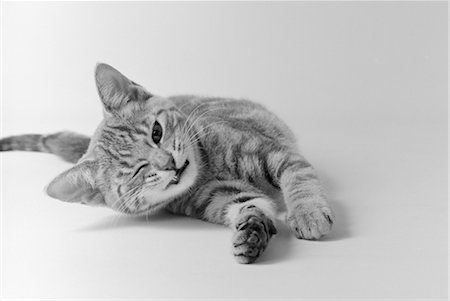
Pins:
x,y
164,110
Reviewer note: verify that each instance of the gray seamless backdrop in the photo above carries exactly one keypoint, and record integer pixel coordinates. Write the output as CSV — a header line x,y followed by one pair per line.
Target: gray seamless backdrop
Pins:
x,y
362,84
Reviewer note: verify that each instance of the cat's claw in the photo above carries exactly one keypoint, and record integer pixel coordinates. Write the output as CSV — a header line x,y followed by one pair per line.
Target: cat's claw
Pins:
x,y
310,221
253,232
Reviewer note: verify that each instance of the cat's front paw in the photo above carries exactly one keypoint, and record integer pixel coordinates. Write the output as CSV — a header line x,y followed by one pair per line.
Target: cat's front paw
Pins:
x,y
310,221
252,235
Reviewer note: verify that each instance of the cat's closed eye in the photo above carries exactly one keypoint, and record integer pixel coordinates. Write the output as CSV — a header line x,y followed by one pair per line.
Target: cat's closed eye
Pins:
x,y
139,169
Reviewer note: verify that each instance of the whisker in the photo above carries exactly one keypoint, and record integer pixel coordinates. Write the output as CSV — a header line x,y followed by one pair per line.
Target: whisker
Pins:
x,y
201,115
198,136
192,112
121,207
187,127
183,105
187,137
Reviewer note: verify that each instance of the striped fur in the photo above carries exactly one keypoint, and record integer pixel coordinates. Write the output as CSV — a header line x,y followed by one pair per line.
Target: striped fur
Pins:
x,y
67,145
232,157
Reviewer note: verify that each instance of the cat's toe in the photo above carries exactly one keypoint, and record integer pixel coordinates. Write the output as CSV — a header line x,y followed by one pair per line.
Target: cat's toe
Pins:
x,y
310,221
251,238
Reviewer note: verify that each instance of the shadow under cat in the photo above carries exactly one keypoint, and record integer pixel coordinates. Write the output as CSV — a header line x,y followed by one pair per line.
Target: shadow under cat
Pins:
x,y
280,247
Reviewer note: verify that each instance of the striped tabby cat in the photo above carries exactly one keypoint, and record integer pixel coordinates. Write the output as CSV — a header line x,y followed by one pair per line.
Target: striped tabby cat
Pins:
x,y
224,161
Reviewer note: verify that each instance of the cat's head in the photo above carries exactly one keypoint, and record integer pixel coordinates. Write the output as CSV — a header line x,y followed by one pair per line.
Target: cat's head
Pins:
x,y
141,156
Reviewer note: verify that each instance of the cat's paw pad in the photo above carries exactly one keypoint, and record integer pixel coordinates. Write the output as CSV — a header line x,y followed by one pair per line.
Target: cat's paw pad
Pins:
x,y
310,221
253,232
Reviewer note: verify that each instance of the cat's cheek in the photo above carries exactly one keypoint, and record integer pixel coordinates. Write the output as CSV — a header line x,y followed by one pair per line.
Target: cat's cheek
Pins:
x,y
112,198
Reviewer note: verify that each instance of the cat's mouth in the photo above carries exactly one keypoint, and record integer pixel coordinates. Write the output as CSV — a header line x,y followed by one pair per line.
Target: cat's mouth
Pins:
x,y
178,173
178,182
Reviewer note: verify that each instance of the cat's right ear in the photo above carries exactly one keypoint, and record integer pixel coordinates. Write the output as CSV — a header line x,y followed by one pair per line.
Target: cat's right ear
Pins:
x,y
77,185
116,90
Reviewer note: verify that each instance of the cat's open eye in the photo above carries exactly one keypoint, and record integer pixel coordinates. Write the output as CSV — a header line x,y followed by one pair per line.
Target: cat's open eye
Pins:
x,y
157,132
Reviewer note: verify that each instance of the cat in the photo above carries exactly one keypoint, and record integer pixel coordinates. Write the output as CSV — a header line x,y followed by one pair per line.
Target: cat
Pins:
x,y
216,159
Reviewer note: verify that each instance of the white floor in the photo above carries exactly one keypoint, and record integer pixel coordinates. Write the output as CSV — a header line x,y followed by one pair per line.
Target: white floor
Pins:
x,y
371,117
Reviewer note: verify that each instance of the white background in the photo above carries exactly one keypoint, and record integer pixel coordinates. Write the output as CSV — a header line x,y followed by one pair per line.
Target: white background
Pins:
x,y
363,85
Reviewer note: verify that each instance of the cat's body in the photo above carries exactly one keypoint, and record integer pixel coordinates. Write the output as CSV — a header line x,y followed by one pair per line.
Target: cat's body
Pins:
x,y
221,160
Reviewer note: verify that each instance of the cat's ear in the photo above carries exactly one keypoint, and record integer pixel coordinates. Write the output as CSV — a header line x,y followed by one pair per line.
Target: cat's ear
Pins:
x,y
115,89
77,185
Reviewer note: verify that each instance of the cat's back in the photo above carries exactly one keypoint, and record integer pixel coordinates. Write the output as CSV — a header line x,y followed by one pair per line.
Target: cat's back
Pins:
x,y
240,115
193,104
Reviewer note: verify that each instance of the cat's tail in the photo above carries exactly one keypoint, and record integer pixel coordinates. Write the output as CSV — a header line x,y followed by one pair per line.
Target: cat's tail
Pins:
x,y
67,145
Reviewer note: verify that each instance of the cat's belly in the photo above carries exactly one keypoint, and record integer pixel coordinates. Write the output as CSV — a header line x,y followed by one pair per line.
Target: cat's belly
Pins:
x,y
245,160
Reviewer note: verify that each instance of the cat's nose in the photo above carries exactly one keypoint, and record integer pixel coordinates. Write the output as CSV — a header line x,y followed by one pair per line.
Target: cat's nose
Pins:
x,y
169,164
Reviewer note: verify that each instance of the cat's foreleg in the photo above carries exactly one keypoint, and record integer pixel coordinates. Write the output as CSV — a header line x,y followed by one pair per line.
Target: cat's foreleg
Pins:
x,y
247,211
309,214
252,223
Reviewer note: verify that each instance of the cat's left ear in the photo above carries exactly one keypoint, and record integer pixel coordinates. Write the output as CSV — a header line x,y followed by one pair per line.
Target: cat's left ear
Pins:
x,y
77,185
116,90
